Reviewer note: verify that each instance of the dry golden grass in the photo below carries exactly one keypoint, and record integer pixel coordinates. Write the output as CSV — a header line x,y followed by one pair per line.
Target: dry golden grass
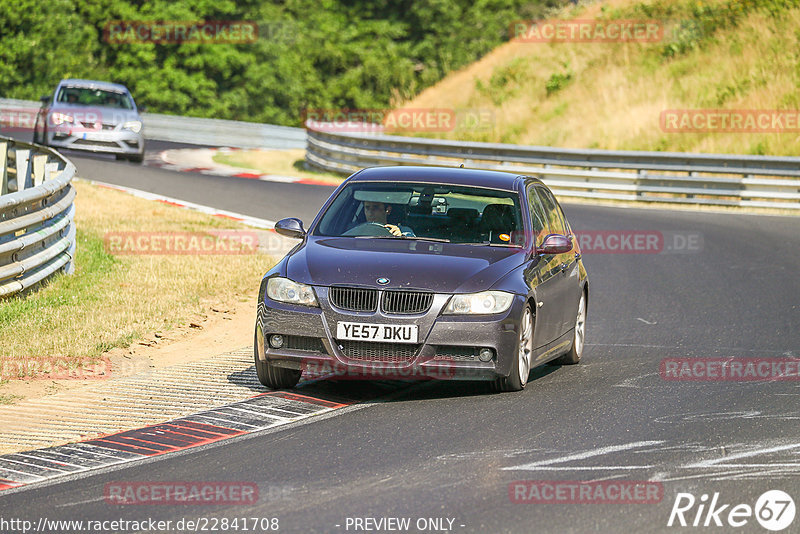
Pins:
x,y
283,162
111,301
617,90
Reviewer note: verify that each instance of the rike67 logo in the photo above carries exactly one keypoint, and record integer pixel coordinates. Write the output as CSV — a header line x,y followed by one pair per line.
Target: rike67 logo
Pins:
x,y
774,510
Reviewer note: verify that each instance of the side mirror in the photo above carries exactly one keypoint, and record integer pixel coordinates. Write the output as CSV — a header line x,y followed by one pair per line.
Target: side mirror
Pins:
x,y
44,99
290,227
555,244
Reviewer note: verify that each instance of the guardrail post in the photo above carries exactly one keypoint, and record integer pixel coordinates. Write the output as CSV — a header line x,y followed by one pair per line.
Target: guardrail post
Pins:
x,y
23,169
51,171
693,174
69,268
39,169
641,173
3,169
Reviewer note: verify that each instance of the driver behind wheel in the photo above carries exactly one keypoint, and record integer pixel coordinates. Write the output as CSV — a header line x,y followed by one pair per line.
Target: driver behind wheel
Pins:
x,y
377,212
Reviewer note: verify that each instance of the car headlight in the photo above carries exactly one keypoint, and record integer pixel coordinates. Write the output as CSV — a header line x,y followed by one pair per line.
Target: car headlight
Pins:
x,y
134,126
484,302
60,118
285,290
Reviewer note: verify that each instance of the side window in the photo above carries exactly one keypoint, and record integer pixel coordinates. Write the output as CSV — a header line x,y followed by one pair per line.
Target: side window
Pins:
x,y
567,229
537,215
555,223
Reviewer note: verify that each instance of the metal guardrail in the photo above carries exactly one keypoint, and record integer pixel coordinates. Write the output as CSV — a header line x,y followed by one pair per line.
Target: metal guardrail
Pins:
x,y
37,232
216,132
211,132
715,179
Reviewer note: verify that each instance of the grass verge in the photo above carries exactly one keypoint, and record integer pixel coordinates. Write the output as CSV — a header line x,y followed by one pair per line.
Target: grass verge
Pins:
x,y
111,300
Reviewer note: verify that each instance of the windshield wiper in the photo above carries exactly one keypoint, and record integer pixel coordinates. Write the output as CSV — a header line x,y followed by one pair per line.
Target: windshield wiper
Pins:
x,y
418,238
490,244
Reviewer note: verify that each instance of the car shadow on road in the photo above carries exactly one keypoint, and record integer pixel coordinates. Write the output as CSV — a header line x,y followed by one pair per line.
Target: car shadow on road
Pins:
x,y
442,389
360,390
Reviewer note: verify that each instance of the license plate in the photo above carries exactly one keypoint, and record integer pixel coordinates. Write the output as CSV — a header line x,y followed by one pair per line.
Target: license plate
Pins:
x,y
389,333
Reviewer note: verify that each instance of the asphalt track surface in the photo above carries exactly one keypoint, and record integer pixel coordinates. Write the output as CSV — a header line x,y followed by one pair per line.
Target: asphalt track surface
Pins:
x,y
451,449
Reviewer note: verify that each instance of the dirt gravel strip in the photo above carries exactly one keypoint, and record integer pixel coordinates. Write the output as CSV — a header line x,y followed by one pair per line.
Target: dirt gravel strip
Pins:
x,y
121,419
120,403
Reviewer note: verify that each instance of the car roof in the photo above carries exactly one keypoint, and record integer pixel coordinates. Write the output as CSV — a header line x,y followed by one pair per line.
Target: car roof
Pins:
x,y
435,175
94,84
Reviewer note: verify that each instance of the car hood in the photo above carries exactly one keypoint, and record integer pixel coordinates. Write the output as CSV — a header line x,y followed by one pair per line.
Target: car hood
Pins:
x,y
407,263
91,113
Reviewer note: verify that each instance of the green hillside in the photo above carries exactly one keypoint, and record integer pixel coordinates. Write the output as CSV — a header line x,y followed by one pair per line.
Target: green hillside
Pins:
x,y
317,54
723,57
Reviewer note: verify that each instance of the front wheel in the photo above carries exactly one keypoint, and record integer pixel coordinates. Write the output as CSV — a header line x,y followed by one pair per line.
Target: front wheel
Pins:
x,y
521,367
574,355
269,375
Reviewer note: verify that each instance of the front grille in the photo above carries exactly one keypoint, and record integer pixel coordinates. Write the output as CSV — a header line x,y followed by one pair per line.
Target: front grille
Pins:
x,y
406,302
354,299
308,344
456,354
370,351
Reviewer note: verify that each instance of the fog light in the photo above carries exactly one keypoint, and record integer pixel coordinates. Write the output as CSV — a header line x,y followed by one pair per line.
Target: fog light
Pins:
x,y
276,341
486,355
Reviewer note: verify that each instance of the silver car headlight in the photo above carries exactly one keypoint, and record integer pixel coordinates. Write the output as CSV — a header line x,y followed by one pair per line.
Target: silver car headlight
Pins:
x,y
285,290
134,126
485,302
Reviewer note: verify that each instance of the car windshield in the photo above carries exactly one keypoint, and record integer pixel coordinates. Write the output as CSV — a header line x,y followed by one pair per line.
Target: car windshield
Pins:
x,y
86,96
456,214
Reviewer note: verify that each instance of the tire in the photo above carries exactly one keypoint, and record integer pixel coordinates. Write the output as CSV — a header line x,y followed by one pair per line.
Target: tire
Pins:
x,y
521,368
39,140
136,158
576,350
269,375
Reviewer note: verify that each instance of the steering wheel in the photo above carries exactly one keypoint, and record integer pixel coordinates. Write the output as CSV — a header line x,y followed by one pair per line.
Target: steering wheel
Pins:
x,y
368,229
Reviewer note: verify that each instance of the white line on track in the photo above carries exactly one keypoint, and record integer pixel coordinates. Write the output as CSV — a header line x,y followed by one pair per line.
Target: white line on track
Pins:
x,y
533,466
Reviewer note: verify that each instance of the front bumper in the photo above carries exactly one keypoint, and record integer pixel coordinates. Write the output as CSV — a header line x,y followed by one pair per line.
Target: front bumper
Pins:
x,y
117,141
447,345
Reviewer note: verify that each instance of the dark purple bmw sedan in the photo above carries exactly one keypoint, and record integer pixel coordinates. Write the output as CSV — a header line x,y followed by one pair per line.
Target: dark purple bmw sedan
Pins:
x,y
425,272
